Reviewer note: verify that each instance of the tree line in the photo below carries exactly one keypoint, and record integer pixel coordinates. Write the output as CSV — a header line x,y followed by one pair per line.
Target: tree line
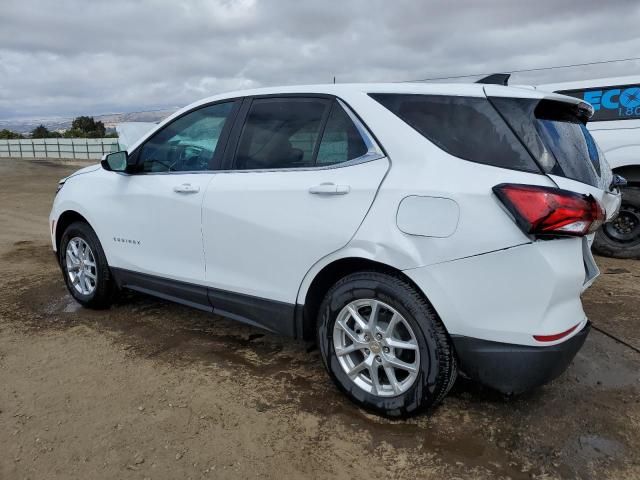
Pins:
x,y
81,127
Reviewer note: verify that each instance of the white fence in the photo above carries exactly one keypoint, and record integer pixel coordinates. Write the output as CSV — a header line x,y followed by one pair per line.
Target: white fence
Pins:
x,y
81,148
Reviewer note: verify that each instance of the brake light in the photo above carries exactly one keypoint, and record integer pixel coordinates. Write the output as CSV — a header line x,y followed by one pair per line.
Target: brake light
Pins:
x,y
546,211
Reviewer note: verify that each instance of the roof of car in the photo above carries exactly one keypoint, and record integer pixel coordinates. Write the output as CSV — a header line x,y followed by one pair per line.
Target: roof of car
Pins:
x,y
345,89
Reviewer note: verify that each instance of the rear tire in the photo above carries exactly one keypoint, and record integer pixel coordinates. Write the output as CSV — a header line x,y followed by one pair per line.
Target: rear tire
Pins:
x,y
416,337
621,238
84,267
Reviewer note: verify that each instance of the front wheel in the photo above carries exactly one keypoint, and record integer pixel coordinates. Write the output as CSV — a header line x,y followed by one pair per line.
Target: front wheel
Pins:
x,y
84,266
621,237
384,346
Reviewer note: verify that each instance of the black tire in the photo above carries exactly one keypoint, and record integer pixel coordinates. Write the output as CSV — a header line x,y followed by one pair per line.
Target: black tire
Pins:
x,y
105,287
609,241
437,366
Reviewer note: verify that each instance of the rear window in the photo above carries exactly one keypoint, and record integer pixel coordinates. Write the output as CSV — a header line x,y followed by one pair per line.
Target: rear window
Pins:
x,y
466,127
555,134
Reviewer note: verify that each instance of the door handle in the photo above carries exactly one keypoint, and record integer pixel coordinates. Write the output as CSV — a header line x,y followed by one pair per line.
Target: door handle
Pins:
x,y
330,189
186,188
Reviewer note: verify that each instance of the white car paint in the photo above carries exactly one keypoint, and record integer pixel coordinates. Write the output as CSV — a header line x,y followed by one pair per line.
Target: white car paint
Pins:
x,y
483,296
428,216
619,140
262,233
263,230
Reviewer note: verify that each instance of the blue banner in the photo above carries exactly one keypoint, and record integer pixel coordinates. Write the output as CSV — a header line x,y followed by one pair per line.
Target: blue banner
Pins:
x,y
620,102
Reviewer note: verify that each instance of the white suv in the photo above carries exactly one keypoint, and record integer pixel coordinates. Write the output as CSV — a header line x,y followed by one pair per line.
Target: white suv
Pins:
x,y
413,229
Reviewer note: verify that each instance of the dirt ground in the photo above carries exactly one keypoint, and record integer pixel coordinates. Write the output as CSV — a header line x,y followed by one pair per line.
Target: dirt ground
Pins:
x,y
149,389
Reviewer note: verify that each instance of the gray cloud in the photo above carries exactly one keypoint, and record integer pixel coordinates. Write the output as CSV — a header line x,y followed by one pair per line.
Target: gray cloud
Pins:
x,y
76,57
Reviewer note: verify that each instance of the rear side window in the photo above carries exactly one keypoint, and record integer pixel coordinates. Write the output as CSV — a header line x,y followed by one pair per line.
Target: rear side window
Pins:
x,y
466,127
341,140
556,135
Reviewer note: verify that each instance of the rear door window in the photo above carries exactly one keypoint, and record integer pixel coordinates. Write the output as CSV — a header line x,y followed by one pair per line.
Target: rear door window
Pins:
x,y
281,133
466,127
284,133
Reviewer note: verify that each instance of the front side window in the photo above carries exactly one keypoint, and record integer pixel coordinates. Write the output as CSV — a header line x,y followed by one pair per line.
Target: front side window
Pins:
x,y
187,144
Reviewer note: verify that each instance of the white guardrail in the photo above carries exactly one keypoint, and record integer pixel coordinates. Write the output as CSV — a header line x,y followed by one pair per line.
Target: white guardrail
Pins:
x,y
67,148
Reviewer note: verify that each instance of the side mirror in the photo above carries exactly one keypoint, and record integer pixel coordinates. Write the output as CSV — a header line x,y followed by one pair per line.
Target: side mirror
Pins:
x,y
115,162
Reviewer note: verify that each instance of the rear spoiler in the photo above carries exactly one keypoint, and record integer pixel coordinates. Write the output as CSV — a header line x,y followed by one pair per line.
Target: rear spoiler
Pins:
x,y
496,79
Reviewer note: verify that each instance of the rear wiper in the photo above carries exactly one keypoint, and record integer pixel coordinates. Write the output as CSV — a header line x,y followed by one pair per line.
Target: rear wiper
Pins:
x,y
617,182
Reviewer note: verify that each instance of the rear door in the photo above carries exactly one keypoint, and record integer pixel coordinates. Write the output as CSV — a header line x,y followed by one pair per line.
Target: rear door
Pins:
x,y
300,176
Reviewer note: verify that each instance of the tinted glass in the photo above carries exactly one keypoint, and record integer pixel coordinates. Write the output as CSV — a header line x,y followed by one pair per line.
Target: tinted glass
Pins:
x,y
621,102
555,134
466,127
341,140
281,133
187,144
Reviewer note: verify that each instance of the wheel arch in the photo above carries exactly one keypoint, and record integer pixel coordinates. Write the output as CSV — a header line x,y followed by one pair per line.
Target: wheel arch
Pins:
x,y
65,219
311,297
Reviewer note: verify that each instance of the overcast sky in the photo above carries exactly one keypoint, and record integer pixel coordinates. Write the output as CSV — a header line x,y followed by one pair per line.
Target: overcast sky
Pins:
x,y
71,57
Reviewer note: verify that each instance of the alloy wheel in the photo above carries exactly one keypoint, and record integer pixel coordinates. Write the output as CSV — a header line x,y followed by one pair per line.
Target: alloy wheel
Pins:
x,y
81,266
376,347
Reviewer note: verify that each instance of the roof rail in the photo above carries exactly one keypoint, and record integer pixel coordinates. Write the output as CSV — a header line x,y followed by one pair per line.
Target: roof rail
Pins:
x,y
496,79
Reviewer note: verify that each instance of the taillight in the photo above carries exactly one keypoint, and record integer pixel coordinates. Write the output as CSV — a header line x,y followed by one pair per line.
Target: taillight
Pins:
x,y
546,211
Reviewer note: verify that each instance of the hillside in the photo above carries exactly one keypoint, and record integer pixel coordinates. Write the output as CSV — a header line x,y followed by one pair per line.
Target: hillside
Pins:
x,y
62,123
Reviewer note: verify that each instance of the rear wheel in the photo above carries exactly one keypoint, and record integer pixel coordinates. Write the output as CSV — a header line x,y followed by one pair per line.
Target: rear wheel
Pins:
x,y
621,237
384,346
84,266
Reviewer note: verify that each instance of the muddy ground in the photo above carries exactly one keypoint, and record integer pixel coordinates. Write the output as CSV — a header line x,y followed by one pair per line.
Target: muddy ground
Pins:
x,y
149,389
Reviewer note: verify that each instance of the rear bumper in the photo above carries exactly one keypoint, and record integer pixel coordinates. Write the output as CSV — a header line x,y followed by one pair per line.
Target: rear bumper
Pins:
x,y
512,368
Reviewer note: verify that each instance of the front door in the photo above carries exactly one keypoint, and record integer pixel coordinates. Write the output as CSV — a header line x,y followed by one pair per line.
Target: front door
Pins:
x,y
154,214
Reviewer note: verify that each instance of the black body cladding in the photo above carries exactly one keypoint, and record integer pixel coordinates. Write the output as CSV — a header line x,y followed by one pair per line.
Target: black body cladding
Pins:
x,y
277,317
515,368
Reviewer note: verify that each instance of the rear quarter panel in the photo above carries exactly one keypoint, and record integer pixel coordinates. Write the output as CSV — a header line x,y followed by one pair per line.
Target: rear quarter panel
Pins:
x,y
419,168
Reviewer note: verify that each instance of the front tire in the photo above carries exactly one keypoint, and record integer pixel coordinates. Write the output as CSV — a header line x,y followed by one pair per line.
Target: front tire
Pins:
x,y
84,266
621,237
384,345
